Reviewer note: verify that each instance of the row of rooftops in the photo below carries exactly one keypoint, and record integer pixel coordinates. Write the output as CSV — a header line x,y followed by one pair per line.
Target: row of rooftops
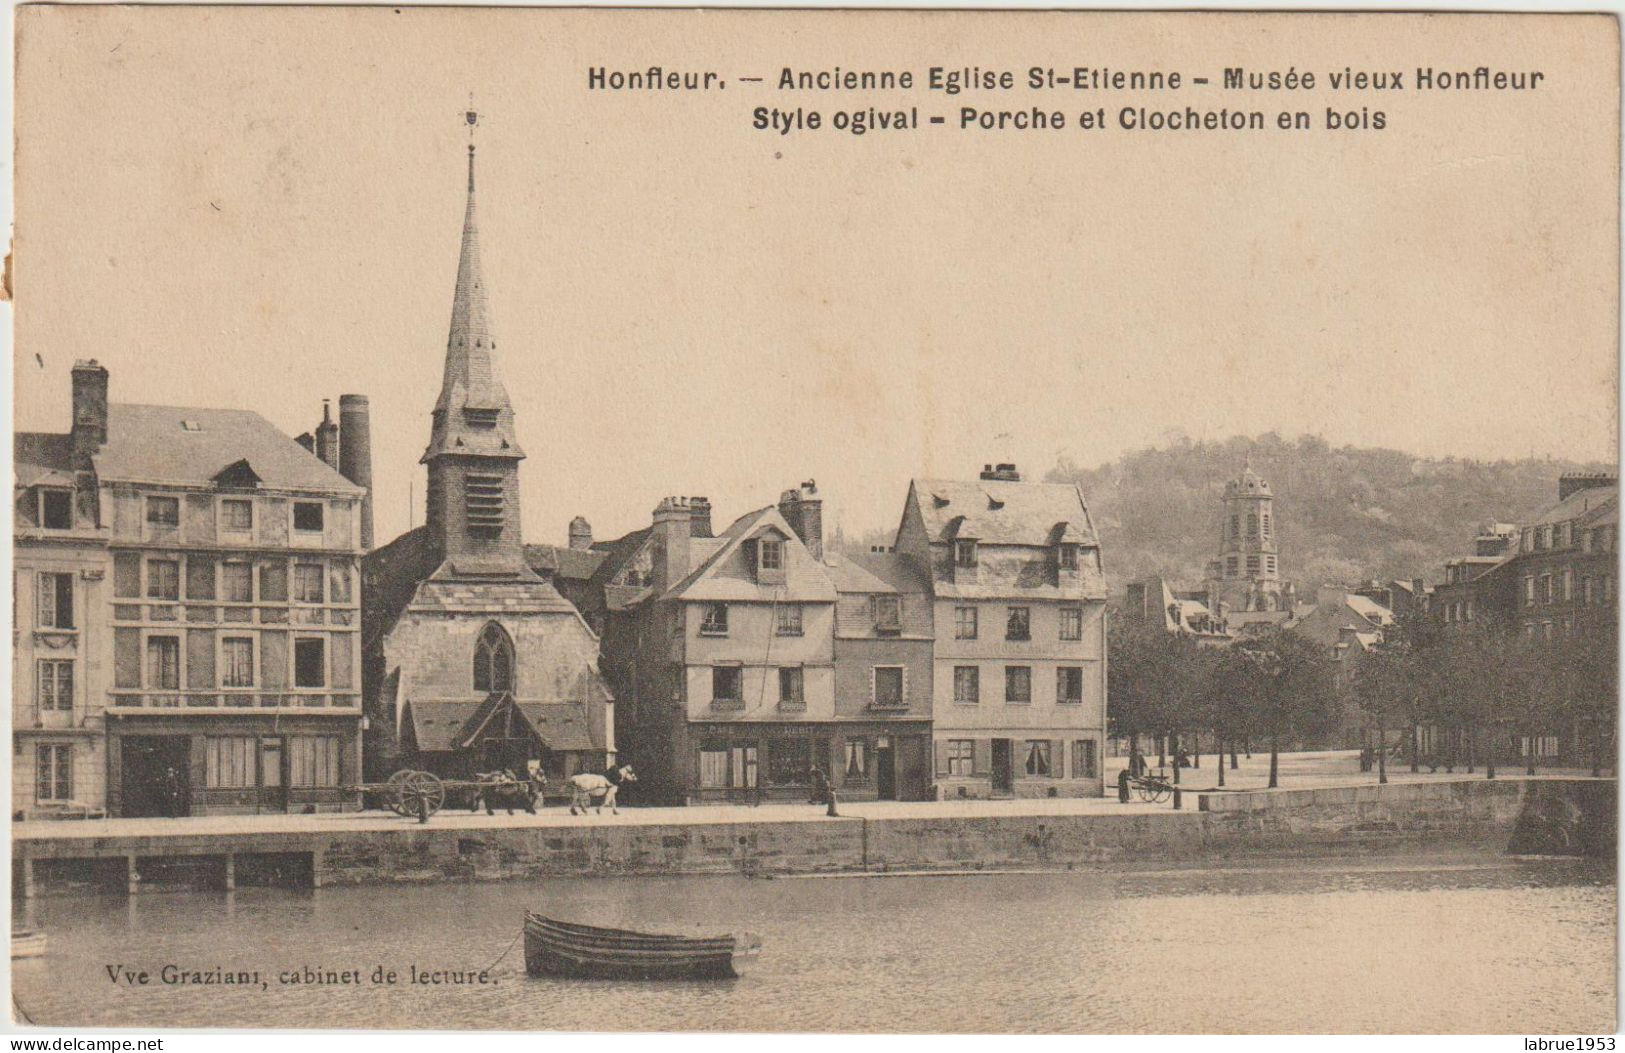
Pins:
x,y
998,510
184,447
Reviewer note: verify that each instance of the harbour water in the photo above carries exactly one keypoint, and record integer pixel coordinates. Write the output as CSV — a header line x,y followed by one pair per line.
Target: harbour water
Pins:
x,y
1383,945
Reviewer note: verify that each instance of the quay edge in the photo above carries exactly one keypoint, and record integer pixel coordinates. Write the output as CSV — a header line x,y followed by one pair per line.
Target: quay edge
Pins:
x,y
1507,815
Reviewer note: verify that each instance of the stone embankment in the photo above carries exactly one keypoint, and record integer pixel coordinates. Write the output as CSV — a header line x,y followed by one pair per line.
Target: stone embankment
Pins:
x,y
1508,815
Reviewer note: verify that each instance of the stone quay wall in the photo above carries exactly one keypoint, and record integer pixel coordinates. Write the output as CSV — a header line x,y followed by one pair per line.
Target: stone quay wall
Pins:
x,y
1506,815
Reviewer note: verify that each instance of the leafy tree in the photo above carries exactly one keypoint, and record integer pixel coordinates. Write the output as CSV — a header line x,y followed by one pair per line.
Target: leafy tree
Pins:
x,y
1291,689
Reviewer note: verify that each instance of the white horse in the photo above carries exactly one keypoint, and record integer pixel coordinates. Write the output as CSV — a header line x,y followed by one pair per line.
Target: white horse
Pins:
x,y
590,785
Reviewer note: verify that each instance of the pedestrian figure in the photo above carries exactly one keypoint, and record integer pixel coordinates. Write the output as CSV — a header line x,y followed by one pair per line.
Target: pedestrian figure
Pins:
x,y
822,791
172,790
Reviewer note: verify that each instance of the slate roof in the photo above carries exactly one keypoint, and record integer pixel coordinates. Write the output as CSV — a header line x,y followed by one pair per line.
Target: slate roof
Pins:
x,y
1000,512
447,726
876,572
42,457
560,561
1577,504
148,444
806,580
1370,609
489,597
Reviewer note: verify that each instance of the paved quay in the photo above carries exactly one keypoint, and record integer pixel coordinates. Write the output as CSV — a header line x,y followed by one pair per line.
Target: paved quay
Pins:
x,y
1298,771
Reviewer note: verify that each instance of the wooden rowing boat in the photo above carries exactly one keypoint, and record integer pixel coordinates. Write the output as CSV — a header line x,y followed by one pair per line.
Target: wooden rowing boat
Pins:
x,y
559,948
27,944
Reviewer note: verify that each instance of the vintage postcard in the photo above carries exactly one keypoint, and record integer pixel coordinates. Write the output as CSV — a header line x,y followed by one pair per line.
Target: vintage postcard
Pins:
x,y
815,521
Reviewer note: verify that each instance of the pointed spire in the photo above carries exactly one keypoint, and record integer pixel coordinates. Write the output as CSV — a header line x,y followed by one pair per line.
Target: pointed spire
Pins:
x,y
473,414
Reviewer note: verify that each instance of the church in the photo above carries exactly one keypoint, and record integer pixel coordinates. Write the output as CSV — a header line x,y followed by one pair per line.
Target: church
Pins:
x,y
471,658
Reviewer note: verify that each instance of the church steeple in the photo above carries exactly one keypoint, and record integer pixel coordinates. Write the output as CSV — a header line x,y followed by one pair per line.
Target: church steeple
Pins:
x,y
473,415
473,456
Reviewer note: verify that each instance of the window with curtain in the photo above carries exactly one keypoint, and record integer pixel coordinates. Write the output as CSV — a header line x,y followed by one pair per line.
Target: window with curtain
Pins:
x,y
307,583
53,773
1038,757
237,661
164,662
237,583
56,685
163,579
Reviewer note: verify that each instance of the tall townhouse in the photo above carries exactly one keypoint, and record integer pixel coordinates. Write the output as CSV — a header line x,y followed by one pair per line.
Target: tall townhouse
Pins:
x,y
220,642
724,658
1019,669
59,615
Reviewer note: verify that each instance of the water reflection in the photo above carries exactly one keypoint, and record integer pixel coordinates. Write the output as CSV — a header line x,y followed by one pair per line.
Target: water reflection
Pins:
x,y
1386,945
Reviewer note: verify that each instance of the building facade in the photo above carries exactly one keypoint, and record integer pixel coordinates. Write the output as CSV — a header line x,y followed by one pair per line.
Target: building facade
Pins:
x,y
1019,662
473,659
747,659
219,638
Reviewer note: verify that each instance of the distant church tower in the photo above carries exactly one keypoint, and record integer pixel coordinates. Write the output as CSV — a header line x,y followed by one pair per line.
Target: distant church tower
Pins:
x,y
1247,574
473,457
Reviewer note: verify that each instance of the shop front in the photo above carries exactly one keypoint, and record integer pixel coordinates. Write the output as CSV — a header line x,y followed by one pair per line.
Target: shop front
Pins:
x,y
238,765
754,763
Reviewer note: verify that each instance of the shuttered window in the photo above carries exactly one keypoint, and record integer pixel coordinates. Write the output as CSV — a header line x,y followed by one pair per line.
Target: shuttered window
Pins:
x,y
229,762
313,760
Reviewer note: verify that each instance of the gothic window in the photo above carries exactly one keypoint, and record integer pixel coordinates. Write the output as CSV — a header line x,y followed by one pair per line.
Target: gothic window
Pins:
x,y
493,660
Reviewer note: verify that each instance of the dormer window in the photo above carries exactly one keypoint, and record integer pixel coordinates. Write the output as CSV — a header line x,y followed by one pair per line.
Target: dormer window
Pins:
x,y
965,553
772,554
55,508
1068,557
481,418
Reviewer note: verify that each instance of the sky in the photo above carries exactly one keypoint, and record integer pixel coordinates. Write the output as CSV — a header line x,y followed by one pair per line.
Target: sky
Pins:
x,y
261,207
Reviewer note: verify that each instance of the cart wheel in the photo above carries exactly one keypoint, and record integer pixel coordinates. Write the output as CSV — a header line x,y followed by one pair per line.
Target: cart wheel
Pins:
x,y
1161,795
392,791
424,787
1145,792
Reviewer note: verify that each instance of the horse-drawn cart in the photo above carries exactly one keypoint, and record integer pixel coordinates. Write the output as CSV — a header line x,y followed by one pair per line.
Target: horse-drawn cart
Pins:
x,y
420,794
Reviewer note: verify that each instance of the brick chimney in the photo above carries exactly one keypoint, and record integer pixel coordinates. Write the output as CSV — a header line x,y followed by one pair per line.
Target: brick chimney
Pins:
x,y
1574,482
89,410
580,533
803,509
327,437
355,454
672,532
699,524
1004,473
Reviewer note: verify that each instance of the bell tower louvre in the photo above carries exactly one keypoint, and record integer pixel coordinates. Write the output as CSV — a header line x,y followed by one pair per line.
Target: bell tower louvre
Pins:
x,y
472,507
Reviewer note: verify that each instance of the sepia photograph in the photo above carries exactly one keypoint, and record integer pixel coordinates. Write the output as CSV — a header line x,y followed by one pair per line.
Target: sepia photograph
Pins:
x,y
857,521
